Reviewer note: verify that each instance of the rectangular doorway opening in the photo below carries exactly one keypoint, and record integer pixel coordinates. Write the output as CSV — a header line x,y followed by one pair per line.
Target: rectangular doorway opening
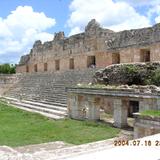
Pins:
x,y
115,58
91,61
57,65
71,63
133,108
35,68
27,69
45,67
145,55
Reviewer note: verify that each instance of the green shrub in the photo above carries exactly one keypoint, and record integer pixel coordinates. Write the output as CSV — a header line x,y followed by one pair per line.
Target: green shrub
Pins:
x,y
155,79
132,73
129,69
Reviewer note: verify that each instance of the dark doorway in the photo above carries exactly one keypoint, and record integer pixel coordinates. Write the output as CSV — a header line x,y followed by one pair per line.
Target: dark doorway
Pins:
x,y
133,108
91,61
27,69
57,65
45,67
115,58
71,63
145,55
35,68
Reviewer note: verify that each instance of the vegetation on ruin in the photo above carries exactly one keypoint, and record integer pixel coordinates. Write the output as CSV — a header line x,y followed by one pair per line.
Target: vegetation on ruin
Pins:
x,y
132,74
20,128
7,69
155,78
129,74
155,113
139,76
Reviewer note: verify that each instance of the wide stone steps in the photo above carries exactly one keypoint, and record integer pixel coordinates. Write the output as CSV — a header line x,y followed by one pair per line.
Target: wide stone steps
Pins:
x,y
48,87
48,110
55,107
50,102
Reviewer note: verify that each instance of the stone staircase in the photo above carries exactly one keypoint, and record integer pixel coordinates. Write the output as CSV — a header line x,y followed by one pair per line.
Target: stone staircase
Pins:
x,y
50,111
45,92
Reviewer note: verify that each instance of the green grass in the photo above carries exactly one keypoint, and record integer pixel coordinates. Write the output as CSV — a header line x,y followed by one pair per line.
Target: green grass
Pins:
x,y
155,113
18,128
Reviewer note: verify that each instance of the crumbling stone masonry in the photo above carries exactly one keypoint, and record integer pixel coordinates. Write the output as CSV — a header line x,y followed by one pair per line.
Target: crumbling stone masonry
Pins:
x,y
6,82
96,47
146,125
85,103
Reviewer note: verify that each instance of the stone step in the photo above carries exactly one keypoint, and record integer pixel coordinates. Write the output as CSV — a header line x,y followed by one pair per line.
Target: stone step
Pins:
x,y
53,99
49,106
49,115
54,103
49,102
41,109
48,87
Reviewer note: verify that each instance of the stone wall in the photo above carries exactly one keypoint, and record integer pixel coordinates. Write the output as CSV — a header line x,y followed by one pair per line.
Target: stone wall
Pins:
x,y
95,41
6,82
85,103
146,125
48,87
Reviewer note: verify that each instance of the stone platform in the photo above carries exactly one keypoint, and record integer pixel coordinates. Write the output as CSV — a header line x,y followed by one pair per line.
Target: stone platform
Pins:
x,y
91,151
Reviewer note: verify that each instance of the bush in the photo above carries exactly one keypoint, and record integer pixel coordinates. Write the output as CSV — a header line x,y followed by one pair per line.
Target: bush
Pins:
x,y
155,79
129,69
132,74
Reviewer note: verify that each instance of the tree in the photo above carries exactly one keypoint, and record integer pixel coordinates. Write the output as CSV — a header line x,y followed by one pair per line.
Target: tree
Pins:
x,y
7,68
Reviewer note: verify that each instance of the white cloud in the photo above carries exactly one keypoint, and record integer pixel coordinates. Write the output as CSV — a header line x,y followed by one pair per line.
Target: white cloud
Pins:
x,y
75,30
154,13
21,28
141,2
113,15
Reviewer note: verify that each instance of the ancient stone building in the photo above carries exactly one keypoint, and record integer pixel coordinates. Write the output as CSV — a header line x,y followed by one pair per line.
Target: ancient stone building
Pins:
x,y
96,47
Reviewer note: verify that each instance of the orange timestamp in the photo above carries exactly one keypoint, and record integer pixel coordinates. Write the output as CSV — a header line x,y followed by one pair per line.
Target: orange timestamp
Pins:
x,y
137,143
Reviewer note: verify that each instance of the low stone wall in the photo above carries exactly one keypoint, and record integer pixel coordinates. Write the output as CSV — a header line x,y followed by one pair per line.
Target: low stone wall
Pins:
x,y
85,103
7,81
146,125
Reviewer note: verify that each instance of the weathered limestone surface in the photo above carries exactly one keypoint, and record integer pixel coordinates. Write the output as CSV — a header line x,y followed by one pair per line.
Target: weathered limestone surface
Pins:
x,y
95,41
48,87
136,37
146,125
6,82
85,103
54,150
120,113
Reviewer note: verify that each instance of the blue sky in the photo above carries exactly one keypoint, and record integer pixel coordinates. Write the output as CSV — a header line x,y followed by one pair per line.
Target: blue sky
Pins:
x,y
24,21
57,9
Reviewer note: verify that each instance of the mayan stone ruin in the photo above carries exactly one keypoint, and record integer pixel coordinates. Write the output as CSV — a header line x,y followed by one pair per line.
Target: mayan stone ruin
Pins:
x,y
59,78
96,47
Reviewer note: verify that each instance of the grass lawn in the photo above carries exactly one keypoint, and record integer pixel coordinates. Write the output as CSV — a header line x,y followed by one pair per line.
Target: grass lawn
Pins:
x,y
155,113
18,128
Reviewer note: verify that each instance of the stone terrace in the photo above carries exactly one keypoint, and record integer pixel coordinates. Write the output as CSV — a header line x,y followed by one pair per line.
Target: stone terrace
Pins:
x,y
48,89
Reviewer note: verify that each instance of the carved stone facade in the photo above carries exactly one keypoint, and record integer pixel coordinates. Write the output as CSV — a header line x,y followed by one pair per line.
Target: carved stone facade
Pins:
x,y
96,47
86,103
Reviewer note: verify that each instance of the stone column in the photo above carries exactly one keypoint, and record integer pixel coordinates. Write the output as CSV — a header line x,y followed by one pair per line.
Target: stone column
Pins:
x,y
93,112
73,111
120,113
158,104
